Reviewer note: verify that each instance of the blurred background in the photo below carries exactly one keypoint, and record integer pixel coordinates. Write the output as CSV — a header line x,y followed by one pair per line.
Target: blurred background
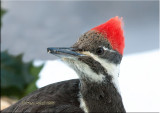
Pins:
x,y
29,27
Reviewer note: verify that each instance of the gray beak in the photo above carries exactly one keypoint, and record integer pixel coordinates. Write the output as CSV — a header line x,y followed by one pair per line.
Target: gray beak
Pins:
x,y
63,52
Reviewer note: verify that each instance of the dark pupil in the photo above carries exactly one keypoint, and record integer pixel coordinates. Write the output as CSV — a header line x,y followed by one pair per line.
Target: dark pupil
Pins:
x,y
100,51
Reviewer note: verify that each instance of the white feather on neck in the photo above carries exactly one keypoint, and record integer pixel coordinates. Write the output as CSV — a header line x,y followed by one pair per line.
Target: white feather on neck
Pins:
x,y
112,69
82,103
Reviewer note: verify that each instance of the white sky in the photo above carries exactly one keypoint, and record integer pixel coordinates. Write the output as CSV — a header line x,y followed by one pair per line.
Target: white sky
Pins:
x,y
139,80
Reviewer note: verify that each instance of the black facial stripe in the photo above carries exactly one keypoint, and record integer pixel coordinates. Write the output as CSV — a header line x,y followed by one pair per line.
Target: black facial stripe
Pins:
x,y
95,66
113,57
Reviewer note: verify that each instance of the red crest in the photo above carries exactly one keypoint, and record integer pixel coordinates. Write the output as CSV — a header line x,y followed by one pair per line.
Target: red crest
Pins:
x,y
112,30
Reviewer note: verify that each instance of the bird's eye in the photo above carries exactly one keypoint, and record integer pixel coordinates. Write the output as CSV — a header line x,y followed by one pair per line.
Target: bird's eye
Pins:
x,y
100,51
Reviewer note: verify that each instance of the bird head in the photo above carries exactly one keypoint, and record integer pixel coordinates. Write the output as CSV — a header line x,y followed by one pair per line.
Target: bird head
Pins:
x,y
97,54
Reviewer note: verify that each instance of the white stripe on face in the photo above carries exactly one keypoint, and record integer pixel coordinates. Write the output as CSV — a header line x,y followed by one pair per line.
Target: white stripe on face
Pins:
x,y
108,49
112,69
84,71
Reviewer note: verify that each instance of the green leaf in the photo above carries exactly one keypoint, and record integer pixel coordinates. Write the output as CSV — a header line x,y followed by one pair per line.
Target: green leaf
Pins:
x,y
17,76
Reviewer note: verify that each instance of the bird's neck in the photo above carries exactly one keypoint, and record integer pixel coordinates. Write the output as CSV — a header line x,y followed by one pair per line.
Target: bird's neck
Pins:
x,y
100,97
99,90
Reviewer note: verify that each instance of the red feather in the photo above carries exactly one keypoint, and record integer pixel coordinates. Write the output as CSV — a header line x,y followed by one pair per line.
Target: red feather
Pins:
x,y
112,30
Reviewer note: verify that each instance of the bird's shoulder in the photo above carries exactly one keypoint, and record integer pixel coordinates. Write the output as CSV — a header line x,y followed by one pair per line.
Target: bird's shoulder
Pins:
x,y
56,97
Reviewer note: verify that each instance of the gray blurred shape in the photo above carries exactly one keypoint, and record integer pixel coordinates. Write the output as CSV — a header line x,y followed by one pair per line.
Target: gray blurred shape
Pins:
x,y
30,27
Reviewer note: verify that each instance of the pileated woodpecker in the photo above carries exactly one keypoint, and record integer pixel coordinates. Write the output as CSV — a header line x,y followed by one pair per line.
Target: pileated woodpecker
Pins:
x,y
95,57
